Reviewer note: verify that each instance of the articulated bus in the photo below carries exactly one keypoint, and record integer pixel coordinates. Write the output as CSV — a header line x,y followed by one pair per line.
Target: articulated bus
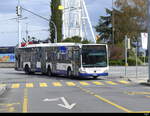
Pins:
x,y
67,59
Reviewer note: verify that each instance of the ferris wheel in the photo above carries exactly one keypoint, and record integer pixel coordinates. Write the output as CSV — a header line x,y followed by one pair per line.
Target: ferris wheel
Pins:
x,y
76,21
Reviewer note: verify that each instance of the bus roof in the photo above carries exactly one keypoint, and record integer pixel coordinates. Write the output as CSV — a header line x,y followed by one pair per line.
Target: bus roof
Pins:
x,y
56,44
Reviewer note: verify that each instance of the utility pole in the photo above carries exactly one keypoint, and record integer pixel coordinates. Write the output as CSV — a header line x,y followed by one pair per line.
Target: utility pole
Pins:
x,y
55,27
126,56
113,23
148,21
18,10
27,32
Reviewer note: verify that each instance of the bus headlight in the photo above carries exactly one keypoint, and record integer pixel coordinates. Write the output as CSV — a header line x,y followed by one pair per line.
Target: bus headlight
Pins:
x,y
106,71
82,71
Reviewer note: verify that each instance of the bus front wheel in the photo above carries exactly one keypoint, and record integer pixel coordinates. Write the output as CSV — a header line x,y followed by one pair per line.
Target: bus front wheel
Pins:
x,y
95,77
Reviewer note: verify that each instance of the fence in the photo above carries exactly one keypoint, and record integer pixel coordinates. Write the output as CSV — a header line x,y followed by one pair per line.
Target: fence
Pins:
x,y
131,71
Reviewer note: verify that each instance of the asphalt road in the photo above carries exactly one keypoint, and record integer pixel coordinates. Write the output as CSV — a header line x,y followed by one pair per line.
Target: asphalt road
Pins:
x,y
40,93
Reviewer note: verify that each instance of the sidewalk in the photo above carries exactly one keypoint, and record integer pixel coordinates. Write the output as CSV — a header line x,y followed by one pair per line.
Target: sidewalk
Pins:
x,y
139,80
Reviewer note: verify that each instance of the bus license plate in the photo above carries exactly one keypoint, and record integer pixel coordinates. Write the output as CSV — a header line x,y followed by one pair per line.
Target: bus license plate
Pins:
x,y
94,74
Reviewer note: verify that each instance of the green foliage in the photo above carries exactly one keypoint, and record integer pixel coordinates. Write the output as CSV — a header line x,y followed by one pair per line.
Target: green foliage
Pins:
x,y
56,17
116,63
104,27
144,59
132,61
127,19
76,39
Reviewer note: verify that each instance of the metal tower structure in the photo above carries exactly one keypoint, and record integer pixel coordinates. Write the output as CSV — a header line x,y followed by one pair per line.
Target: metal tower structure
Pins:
x,y
76,21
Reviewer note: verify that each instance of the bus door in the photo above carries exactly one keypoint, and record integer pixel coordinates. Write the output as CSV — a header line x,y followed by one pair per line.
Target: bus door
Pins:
x,y
18,58
76,62
33,59
43,58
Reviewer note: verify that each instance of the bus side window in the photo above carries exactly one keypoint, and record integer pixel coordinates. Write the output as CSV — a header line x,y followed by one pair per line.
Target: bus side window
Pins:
x,y
76,55
69,54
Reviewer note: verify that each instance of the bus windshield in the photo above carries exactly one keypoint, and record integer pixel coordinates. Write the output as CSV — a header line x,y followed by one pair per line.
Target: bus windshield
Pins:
x,y
94,56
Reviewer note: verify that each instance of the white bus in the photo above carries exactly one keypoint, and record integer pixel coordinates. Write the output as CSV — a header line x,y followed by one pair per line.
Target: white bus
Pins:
x,y
68,59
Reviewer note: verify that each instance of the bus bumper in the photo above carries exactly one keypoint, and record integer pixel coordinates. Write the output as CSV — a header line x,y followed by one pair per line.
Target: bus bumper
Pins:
x,y
93,75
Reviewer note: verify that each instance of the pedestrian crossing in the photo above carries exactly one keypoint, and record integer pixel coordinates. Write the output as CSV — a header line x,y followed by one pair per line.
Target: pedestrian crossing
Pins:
x,y
63,83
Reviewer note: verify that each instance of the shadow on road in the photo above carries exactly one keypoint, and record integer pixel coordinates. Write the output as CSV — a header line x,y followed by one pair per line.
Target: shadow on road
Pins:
x,y
56,77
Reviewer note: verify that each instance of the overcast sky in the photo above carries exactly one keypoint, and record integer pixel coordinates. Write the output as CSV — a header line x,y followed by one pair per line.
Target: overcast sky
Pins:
x,y
8,28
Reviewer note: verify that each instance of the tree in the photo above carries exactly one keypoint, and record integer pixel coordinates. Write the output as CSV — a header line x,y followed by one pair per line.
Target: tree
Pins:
x,y
133,17
76,39
56,18
128,18
104,27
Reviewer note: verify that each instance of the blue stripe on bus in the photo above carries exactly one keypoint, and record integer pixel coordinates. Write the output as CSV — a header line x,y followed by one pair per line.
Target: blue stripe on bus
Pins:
x,y
62,72
38,70
86,74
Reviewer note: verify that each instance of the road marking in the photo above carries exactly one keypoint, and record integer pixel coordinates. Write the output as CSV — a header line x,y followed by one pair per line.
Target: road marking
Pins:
x,y
50,100
142,112
111,83
124,82
84,83
66,104
70,84
106,100
29,85
43,85
147,96
113,104
14,86
97,83
2,85
9,105
11,109
25,101
57,84
138,93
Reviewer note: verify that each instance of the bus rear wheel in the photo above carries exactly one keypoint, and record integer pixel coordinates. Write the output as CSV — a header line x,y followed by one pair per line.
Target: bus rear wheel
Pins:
x,y
69,73
27,70
49,72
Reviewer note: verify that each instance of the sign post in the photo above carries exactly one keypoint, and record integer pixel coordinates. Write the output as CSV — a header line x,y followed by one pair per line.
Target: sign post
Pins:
x,y
148,21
